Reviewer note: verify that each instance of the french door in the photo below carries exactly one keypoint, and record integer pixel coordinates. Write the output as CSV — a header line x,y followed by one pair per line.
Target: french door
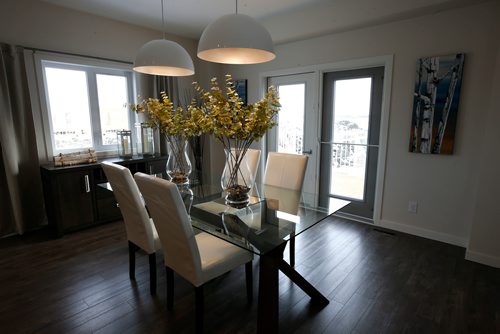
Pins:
x,y
297,122
350,138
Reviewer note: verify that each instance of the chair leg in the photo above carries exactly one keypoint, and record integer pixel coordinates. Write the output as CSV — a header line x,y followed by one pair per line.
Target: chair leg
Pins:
x,y
170,288
152,273
132,248
198,291
249,280
292,249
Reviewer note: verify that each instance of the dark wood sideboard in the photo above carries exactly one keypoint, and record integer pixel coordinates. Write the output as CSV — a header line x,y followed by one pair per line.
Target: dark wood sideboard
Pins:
x,y
73,199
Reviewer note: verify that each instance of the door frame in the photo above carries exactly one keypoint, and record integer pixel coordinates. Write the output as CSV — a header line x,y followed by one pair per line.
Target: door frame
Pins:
x,y
387,62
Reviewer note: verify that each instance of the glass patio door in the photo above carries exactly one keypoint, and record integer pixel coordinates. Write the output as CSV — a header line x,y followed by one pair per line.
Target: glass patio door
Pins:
x,y
297,122
350,138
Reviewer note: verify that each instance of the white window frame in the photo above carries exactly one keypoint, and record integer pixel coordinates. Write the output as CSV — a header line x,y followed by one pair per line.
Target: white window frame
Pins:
x,y
92,67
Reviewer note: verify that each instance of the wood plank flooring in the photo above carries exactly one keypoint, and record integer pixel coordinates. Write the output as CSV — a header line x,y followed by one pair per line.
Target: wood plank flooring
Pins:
x,y
376,282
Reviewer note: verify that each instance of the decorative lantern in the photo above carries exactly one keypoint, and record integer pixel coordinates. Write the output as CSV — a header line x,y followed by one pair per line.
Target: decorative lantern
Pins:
x,y
147,139
125,143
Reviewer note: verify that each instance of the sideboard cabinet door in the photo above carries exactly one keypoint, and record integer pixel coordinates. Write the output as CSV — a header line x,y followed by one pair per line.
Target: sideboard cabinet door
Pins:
x,y
75,190
69,199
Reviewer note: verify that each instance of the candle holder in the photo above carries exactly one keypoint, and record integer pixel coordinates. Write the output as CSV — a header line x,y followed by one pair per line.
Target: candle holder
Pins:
x,y
125,143
147,139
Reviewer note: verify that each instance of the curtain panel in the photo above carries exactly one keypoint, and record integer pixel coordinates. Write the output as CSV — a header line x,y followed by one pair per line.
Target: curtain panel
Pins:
x,y
21,196
170,86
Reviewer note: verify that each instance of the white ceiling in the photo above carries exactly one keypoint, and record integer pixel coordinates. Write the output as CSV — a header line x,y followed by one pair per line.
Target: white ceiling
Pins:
x,y
286,20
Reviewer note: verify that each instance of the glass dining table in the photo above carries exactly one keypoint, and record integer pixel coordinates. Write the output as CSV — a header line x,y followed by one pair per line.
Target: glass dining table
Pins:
x,y
272,218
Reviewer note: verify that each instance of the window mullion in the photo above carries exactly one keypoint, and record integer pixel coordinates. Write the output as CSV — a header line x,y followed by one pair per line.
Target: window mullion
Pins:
x,y
130,99
94,109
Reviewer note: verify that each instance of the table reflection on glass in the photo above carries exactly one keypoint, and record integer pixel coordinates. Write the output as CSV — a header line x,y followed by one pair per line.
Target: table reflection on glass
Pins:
x,y
263,226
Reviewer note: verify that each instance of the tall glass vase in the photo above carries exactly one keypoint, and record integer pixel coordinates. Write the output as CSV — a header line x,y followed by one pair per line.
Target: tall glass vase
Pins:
x,y
237,179
178,163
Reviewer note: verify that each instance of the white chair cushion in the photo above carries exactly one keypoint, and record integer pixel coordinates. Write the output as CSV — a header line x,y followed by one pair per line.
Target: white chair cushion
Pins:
x,y
219,256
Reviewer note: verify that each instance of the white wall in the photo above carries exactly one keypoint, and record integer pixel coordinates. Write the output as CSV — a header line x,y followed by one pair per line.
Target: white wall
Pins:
x,y
444,186
484,243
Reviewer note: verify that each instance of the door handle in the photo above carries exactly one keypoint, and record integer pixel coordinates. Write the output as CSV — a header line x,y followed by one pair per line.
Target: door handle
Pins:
x,y
309,151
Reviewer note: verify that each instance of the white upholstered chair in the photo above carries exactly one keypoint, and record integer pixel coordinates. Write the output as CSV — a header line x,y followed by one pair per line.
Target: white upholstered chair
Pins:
x,y
197,258
252,159
141,233
287,171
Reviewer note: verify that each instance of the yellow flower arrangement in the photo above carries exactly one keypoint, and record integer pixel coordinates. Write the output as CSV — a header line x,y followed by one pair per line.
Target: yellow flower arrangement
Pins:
x,y
227,118
177,125
161,114
236,126
220,112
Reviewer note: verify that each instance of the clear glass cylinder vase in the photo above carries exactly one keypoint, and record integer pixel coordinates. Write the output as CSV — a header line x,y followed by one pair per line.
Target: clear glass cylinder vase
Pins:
x,y
178,164
237,180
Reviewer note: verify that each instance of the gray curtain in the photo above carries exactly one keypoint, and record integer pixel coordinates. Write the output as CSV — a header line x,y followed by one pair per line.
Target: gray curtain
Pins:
x,y
171,87
21,197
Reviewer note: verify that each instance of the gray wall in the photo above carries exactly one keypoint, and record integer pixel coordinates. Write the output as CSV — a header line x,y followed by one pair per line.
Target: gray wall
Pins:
x,y
37,24
484,243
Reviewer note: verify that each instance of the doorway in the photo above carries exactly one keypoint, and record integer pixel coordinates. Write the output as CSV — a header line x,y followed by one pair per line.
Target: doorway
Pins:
x,y
296,131
350,135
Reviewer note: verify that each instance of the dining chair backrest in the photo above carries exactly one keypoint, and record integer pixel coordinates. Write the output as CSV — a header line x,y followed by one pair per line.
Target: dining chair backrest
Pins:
x,y
285,170
135,215
173,225
251,158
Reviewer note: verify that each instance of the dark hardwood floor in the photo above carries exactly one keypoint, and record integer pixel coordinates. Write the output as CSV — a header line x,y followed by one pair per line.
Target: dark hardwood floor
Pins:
x,y
376,283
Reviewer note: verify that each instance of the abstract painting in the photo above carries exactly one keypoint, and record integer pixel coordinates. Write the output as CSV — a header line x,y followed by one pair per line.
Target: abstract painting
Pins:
x,y
435,104
240,86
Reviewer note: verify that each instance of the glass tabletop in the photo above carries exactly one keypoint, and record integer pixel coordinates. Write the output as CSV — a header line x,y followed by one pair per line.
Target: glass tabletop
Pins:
x,y
272,215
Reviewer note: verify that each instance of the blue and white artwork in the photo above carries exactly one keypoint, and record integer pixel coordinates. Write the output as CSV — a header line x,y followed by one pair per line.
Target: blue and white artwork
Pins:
x,y
240,86
435,104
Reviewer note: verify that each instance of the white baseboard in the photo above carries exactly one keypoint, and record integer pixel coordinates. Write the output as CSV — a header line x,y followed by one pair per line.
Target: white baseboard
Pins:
x,y
422,232
492,261
349,216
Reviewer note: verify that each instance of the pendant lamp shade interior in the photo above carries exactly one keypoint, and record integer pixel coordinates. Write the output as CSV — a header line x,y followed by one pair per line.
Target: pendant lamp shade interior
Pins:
x,y
163,57
236,39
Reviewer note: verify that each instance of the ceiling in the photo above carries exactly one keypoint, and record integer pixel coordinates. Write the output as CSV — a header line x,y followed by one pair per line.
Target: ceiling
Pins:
x,y
286,20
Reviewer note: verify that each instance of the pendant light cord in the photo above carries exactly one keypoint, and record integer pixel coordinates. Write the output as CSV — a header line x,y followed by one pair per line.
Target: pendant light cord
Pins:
x,y
236,6
162,20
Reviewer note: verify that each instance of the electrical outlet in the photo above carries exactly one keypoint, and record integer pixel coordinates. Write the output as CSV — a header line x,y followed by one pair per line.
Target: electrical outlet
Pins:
x,y
412,206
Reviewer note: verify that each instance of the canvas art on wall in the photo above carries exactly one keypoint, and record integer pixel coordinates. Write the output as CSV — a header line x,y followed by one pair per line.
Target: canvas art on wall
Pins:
x,y
435,104
241,88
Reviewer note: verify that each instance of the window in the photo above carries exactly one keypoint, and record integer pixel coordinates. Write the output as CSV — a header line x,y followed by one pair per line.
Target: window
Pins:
x,y
86,105
291,117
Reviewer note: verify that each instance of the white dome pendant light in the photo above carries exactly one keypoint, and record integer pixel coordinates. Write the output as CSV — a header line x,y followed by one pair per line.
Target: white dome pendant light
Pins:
x,y
236,39
163,57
